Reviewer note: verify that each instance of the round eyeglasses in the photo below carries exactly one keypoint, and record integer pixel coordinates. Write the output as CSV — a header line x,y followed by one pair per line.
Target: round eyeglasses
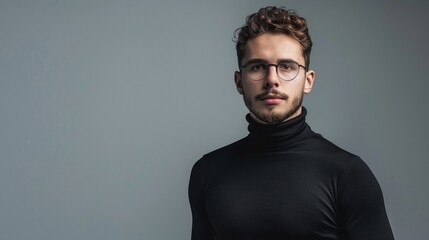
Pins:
x,y
286,70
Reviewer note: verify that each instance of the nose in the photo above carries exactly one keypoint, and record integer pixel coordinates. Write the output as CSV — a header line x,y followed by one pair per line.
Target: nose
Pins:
x,y
271,79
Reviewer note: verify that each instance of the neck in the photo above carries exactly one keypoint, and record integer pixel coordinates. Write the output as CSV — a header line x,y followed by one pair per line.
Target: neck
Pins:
x,y
273,137
293,115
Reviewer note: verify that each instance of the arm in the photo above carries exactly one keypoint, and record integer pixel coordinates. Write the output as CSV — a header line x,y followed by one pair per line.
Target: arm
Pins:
x,y
361,210
201,226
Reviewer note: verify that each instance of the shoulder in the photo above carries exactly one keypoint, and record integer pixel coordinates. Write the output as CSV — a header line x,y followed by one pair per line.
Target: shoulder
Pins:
x,y
319,142
351,167
353,174
329,151
227,152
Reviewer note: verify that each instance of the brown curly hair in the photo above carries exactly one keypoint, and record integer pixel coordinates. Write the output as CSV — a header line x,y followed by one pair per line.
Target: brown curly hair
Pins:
x,y
274,20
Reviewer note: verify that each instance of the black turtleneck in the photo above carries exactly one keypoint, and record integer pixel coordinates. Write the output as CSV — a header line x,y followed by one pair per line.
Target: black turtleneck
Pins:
x,y
283,181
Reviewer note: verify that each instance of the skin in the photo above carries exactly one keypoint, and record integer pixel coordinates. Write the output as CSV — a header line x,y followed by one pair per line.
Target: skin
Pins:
x,y
273,100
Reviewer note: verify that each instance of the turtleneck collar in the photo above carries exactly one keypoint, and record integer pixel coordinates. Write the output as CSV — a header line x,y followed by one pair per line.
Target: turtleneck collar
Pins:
x,y
278,136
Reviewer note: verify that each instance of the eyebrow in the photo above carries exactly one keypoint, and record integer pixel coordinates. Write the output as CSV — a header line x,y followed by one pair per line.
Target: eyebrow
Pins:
x,y
261,60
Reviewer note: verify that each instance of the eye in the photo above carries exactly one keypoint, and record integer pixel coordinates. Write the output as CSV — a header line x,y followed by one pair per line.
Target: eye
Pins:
x,y
286,67
256,67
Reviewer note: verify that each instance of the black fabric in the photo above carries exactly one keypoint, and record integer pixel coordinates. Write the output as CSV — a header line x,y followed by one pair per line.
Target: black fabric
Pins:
x,y
284,181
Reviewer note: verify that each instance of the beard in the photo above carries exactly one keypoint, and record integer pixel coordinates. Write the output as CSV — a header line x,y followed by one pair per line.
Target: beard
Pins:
x,y
272,115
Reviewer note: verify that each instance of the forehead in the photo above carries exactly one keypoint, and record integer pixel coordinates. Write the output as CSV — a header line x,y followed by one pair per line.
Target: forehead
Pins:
x,y
273,47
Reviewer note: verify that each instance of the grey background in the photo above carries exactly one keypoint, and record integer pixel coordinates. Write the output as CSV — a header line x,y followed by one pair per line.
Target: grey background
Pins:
x,y
105,106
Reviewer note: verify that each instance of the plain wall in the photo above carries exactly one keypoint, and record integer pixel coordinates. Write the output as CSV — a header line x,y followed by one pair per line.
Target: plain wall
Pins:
x,y
105,106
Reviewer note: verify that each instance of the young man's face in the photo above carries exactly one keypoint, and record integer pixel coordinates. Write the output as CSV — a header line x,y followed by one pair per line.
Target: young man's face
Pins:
x,y
273,100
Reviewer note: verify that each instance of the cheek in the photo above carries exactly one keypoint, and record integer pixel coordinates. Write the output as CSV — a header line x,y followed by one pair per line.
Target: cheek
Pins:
x,y
296,88
251,88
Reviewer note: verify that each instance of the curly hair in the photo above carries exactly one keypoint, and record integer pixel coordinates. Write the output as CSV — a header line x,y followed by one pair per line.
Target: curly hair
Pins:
x,y
274,20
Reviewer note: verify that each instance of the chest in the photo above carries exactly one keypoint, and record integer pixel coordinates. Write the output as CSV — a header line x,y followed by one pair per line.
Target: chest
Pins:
x,y
283,196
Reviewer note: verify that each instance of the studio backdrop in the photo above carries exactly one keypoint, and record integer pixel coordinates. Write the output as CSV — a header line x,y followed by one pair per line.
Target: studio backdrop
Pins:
x,y
106,105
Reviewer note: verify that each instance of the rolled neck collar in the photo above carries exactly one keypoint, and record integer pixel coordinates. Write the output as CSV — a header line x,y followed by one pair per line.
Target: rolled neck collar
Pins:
x,y
275,136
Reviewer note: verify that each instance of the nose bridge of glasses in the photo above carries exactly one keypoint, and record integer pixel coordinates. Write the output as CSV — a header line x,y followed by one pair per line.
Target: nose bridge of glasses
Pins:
x,y
276,69
272,65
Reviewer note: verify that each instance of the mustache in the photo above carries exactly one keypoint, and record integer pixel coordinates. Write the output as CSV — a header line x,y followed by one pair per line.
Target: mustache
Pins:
x,y
271,92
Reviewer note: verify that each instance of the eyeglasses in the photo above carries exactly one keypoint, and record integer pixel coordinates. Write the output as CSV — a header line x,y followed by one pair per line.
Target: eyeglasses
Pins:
x,y
286,70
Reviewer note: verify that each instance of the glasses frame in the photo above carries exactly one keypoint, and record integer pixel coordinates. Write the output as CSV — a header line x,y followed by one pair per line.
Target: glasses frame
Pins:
x,y
268,65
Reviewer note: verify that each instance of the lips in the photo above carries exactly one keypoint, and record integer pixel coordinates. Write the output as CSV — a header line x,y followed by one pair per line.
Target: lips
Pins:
x,y
272,99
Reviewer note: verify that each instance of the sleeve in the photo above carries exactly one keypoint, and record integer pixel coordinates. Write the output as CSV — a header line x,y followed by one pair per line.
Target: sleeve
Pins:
x,y
361,210
202,229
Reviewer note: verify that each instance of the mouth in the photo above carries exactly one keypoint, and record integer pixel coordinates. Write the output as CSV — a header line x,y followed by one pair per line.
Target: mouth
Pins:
x,y
272,99
272,96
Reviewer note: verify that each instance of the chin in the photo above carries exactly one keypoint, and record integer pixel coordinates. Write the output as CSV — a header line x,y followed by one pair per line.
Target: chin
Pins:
x,y
270,117
274,115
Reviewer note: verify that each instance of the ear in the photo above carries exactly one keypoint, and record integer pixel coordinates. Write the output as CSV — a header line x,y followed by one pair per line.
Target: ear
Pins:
x,y
309,80
238,82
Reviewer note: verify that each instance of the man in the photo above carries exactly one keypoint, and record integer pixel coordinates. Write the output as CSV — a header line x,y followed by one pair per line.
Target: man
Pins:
x,y
282,181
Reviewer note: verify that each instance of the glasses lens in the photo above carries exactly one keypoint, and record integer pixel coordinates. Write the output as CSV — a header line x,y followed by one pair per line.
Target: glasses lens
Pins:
x,y
287,70
256,71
